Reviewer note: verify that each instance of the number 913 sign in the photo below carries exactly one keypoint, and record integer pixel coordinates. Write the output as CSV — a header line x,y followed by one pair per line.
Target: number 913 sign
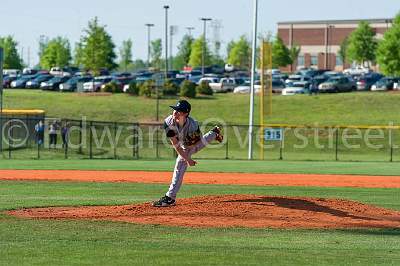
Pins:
x,y
273,134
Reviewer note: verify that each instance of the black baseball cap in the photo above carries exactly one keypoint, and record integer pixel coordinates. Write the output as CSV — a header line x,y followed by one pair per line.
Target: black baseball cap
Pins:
x,y
182,106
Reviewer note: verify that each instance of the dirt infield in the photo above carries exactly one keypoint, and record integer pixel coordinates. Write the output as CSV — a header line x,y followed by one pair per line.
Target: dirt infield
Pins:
x,y
225,211
235,211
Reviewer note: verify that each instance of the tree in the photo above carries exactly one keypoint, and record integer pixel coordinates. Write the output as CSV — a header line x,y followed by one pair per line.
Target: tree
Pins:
x,y
56,53
12,60
229,47
294,52
197,53
97,48
125,53
240,52
185,48
362,44
281,55
343,49
388,55
78,54
155,52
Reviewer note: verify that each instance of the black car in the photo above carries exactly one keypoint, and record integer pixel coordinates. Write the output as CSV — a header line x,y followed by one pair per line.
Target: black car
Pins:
x,y
365,82
72,83
386,83
53,84
35,83
7,81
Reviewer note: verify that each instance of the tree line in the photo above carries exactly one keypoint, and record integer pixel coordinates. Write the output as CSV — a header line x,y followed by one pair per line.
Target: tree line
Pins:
x,y
96,50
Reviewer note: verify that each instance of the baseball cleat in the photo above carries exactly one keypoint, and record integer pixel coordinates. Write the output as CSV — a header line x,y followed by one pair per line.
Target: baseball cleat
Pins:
x,y
164,202
218,136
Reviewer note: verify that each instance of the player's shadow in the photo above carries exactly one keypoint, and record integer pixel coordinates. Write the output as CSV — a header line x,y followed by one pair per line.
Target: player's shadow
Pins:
x,y
300,204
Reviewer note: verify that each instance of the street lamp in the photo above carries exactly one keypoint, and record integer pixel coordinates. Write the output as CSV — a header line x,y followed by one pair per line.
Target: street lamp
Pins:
x,y
330,27
190,30
204,44
252,80
166,41
148,25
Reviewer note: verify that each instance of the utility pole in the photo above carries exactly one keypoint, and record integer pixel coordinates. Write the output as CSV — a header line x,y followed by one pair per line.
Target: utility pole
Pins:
x,y
148,25
204,44
166,41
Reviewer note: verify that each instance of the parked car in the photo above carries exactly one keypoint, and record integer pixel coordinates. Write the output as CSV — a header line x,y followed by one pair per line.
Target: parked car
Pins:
x,y
365,82
72,83
35,83
95,84
338,84
21,81
209,80
11,72
358,70
226,84
296,88
386,83
7,81
54,83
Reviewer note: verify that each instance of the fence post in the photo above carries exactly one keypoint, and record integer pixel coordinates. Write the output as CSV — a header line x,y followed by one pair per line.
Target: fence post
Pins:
x,y
226,149
10,138
157,148
391,144
90,140
115,140
337,143
80,136
281,145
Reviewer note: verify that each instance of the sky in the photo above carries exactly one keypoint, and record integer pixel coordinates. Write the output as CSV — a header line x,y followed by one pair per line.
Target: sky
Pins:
x,y
27,20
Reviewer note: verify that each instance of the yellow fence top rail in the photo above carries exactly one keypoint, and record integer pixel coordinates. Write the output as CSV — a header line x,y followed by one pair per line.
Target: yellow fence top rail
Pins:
x,y
332,126
23,112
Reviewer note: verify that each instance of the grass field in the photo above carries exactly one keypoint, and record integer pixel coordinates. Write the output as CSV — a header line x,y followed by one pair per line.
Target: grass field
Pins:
x,y
46,242
49,242
356,108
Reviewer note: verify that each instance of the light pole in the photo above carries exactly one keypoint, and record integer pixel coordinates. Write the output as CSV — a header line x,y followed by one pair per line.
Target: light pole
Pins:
x,y
330,27
253,70
204,44
166,41
172,31
148,25
190,30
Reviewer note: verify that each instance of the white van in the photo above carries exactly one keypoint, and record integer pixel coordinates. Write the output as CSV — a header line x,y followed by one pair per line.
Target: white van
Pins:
x,y
11,72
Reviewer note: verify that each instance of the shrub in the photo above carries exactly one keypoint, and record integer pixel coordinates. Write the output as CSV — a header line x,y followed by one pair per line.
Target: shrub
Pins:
x,y
111,87
188,89
146,88
133,89
204,88
170,88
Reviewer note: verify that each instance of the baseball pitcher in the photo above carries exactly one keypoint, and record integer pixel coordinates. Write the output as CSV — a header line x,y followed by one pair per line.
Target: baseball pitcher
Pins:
x,y
186,138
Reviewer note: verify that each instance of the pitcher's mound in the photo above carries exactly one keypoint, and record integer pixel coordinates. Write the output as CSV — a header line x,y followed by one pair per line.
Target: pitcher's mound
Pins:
x,y
235,211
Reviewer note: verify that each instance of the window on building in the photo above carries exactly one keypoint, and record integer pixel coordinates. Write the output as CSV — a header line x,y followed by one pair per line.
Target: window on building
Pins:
x,y
314,60
300,60
339,61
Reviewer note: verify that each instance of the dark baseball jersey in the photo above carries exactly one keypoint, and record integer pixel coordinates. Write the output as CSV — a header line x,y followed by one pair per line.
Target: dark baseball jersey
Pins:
x,y
187,135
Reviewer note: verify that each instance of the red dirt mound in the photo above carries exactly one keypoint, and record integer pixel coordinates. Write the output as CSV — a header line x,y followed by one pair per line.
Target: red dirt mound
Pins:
x,y
235,211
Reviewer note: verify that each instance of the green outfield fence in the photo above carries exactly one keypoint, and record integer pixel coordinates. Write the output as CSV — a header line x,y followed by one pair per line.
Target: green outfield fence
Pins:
x,y
117,140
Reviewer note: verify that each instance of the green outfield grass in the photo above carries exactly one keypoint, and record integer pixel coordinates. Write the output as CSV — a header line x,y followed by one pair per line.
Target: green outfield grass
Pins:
x,y
245,166
48,242
356,108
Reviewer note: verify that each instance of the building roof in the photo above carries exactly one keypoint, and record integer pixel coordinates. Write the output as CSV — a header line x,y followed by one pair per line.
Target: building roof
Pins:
x,y
345,21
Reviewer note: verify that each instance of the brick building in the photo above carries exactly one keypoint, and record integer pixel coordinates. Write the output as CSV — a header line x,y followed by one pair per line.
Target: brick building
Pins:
x,y
320,40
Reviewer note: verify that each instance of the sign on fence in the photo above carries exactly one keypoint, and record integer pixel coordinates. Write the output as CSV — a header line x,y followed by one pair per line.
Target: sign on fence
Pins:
x,y
273,134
